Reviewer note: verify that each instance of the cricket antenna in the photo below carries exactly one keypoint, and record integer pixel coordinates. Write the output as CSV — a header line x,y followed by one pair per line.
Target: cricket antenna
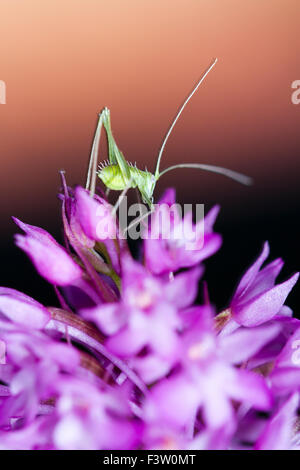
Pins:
x,y
179,113
234,175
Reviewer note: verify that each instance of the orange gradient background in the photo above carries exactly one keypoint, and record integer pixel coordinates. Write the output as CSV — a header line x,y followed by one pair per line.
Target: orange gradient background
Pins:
x,y
64,60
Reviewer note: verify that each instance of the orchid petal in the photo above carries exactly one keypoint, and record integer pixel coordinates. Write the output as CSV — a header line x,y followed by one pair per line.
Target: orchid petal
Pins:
x,y
266,305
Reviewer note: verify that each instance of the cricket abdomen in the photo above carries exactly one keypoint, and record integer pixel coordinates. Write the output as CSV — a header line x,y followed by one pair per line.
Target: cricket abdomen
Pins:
x,y
112,177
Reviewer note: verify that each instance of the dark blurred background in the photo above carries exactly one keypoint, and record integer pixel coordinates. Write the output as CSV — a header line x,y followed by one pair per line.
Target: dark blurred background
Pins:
x,y
64,60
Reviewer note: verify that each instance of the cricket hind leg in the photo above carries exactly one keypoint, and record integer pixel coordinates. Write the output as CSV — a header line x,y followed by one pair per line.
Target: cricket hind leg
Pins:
x,y
92,168
140,203
121,197
138,220
142,217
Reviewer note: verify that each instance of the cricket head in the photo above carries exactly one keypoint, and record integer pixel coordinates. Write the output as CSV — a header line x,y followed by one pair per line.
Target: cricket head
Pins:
x,y
147,187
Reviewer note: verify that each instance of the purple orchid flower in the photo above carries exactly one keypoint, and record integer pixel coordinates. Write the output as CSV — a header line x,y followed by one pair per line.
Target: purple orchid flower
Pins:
x,y
146,317
279,433
285,373
174,242
22,309
95,216
257,299
89,418
208,381
34,363
82,217
49,258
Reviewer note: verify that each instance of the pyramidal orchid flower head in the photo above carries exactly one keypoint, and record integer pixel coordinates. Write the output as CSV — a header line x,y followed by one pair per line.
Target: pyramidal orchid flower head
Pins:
x,y
22,309
129,361
49,258
174,242
257,299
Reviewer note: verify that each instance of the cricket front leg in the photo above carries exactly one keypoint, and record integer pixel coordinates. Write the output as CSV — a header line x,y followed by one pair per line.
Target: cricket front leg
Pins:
x,y
92,168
